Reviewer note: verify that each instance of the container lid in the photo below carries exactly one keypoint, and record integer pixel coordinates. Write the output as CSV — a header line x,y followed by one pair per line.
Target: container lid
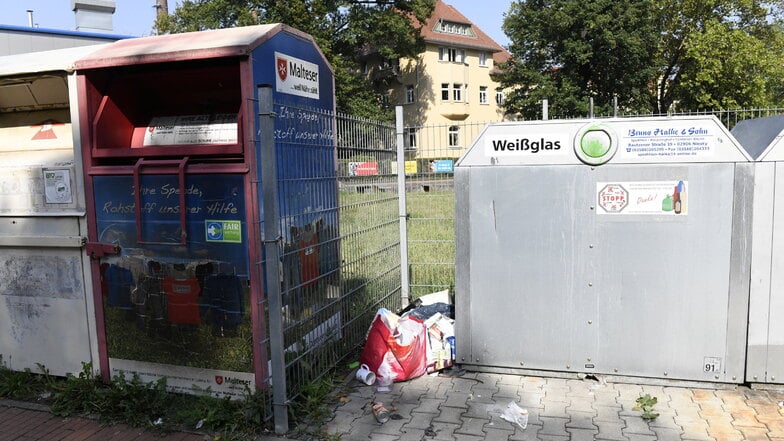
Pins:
x,y
215,43
653,140
45,61
761,137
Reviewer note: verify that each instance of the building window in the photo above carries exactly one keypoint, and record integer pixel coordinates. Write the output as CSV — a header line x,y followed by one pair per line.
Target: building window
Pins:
x,y
409,94
454,136
410,140
457,93
445,91
500,96
451,54
483,58
450,27
482,94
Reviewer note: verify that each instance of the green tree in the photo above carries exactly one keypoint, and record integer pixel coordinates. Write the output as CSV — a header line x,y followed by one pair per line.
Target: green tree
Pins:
x,y
719,54
341,28
571,50
654,55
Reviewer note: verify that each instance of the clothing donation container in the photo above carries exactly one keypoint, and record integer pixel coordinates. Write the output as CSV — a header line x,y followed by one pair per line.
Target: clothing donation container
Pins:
x,y
765,358
173,142
617,247
46,314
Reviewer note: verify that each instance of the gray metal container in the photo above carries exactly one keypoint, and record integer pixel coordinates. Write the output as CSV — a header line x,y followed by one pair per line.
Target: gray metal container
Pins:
x,y
47,315
615,247
765,358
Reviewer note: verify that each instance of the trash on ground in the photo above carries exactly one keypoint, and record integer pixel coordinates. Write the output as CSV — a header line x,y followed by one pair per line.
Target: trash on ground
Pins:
x,y
516,415
380,412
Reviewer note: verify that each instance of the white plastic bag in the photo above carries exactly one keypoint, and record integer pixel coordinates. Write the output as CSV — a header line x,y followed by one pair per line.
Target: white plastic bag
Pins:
x,y
385,376
516,415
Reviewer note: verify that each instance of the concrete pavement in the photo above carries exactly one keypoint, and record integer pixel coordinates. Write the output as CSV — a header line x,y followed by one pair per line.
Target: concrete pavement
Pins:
x,y
469,408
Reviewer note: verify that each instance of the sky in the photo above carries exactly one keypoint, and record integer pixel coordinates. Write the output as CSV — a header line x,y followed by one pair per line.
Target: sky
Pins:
x,y
135,17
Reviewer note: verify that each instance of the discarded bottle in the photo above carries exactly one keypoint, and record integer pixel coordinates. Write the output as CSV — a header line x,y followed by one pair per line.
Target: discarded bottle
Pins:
x,y
380,412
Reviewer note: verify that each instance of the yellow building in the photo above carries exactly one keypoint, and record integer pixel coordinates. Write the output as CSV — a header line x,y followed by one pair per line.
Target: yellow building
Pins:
x,y
447,92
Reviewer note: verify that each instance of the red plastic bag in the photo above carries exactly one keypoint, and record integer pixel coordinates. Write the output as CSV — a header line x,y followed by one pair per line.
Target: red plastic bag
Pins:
x,y
399,341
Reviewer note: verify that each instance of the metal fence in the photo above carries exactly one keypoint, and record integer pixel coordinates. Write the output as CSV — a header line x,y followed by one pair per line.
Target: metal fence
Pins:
x,y
349,254
334,241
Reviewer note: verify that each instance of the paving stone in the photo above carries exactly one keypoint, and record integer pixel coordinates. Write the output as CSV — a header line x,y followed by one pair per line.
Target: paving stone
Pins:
x,y
464,437
428,405
363,430
665,434
457,399
392,427
636,425
462,384
478,410
442,431
696,430
507,392
419,421
556,409
754,433
581,420
581,404
554,426
375,436
638,437
704,395
412,435
582,434
665,422
610,430
472,426
725,432
356,405
530,433
514,380
496,422
608,414
531,399
449,415
533,383
497,434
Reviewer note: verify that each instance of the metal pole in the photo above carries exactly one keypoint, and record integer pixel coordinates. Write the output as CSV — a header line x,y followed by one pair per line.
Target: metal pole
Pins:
x,y
271,239
401,192
615,106
544,109
590,107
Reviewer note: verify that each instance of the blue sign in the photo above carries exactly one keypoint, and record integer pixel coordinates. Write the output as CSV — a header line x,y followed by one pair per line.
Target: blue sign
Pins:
x,y
444,166
214,223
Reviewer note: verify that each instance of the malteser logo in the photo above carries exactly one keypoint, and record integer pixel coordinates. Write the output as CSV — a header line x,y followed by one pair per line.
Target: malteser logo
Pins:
x,y
283,71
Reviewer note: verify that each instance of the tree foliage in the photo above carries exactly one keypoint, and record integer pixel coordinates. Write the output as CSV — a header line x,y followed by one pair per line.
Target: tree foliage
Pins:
x,y
653,55
570,50
341,28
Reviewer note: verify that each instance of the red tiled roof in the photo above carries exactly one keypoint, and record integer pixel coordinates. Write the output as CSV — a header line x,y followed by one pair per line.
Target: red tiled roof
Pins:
x,y
446,12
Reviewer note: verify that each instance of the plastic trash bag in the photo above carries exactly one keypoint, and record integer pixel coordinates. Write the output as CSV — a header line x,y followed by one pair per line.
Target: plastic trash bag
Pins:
x,y
400,342
516,415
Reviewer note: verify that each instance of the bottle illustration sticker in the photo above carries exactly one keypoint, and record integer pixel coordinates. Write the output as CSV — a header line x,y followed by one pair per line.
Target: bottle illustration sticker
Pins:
x,y
661,198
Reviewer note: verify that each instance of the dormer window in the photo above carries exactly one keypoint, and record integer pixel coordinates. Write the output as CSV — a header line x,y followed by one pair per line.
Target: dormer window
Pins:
x,y
454,28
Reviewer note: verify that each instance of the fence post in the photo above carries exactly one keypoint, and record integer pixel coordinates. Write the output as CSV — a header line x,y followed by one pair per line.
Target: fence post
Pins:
x,y
401,192
544,109
271,239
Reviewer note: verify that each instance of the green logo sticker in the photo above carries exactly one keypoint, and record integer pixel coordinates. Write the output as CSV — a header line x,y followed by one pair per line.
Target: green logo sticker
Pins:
x,y
595,144
223,231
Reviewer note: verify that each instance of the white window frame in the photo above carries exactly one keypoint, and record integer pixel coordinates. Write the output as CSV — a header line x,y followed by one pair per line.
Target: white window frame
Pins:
x,y
457,93
445,94
482,94
453,136
411,138
500,96
409,94
483,59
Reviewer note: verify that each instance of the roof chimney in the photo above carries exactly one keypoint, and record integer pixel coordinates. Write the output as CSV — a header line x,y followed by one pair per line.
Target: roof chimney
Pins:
x,y
30,17
93,15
